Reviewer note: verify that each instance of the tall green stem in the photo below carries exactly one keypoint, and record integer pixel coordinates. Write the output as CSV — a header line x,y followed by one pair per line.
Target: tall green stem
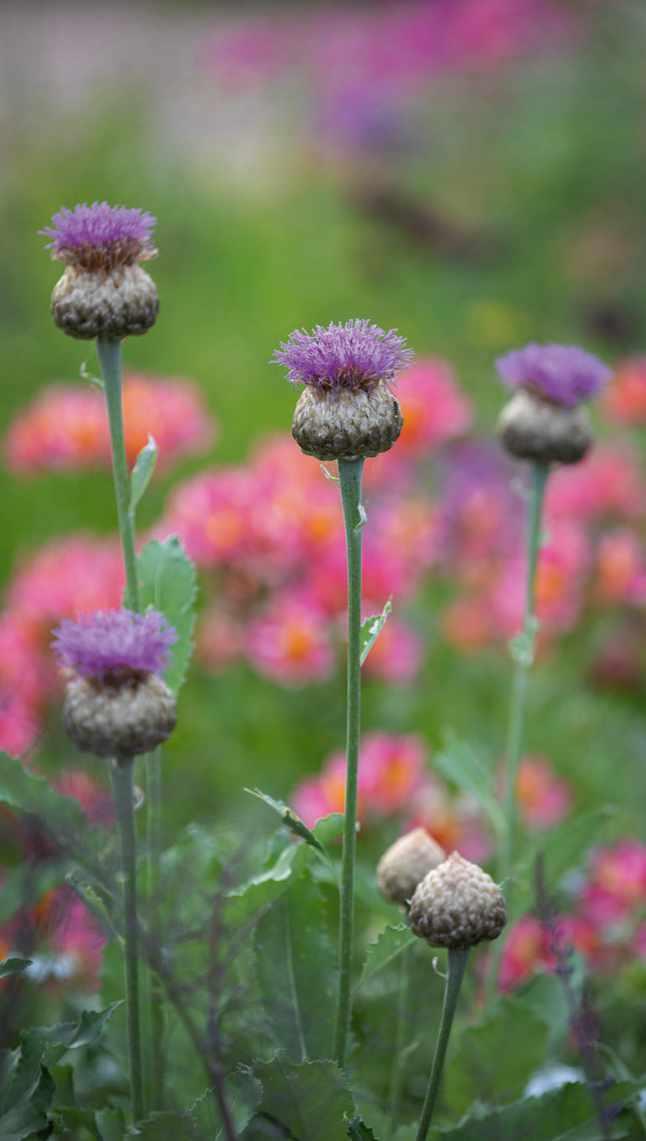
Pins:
x,y
457,964
109,353
523,654
399,1058
122,784
156,1003
350,472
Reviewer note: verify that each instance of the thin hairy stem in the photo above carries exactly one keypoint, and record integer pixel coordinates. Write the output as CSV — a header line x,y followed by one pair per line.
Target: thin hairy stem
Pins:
x,y
350,472
457,964
109,352
153,868
123,799
523,654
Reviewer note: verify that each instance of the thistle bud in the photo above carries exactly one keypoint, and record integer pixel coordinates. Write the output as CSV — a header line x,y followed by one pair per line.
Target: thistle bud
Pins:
x,y
457,905
347,411
116,702
405,863
104,292
545,422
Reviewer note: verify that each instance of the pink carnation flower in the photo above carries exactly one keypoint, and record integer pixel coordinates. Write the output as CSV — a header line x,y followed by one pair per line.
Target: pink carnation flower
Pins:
x,y
543,797
617,883
66,427
607,482
625,397
290,641
433,407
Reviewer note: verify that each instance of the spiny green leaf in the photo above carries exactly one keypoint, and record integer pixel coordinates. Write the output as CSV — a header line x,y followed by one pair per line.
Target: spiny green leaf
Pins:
x,y
110,1124
391,943
310,1099
359,1131
25,792
565,1114
142,474
289,818
244,1094
371,629
72,1035
162,1126
268,885
167,582
296,964
13,966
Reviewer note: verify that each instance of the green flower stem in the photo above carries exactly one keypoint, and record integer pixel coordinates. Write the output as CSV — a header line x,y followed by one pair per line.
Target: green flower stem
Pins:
x,y
156,1004
350,472
399,1060
109,353
457,964
524,658
122,784
523,654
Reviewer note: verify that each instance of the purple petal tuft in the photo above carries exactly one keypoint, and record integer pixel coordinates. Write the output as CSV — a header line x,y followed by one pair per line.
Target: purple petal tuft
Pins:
x,y
563,374
99,227
110,641
352,355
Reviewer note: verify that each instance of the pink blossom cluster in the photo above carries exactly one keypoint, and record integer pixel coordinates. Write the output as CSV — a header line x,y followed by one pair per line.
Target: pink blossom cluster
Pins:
x,y
65,940
66,578
66,427
606,925
396,782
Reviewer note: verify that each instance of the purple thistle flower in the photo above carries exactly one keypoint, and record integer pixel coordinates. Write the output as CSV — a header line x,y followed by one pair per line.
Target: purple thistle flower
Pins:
x,y
101,235
563,374
357,354
113,642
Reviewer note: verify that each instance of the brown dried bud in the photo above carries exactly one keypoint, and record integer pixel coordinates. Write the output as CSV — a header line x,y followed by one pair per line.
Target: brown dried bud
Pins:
x,y
346,423
95,303
532,428
457,905
405,863
122,719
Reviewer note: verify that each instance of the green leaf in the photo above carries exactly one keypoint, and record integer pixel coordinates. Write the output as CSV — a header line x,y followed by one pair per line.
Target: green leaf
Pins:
x,y
162,1126
461,763
42,878
371,629
564,1114
13,966
492,1061
263,889
289,818
142,473
392,942
310,1100
26,1093
64,1036
111,1124
359,1131
296,964
167,582
244,1094
25,792
329,829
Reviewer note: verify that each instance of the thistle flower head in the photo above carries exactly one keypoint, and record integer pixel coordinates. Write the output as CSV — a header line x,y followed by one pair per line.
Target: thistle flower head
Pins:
x,y
561,374
354,355
113,643
100,236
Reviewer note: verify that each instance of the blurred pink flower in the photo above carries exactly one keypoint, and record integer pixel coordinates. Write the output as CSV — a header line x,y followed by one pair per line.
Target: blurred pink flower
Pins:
x,y
433,407
607,482
19,724
211,514
544,798
66,427
455,822
289,642
65,578
94,798
620,566
624,400
78,936
616,887
397,654
526,951
220,639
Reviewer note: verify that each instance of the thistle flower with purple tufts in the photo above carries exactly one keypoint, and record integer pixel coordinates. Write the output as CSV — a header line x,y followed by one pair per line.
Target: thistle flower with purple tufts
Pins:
x,y
116,704
545,421
104,292
346,410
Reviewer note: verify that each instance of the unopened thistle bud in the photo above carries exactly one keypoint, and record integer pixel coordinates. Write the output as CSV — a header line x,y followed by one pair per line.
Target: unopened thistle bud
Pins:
x,y
346,411
405,863
104,292
116,702
545,420
457,905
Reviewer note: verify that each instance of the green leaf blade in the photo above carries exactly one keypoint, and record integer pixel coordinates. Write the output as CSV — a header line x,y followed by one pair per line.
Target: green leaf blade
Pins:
x,y
168,583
